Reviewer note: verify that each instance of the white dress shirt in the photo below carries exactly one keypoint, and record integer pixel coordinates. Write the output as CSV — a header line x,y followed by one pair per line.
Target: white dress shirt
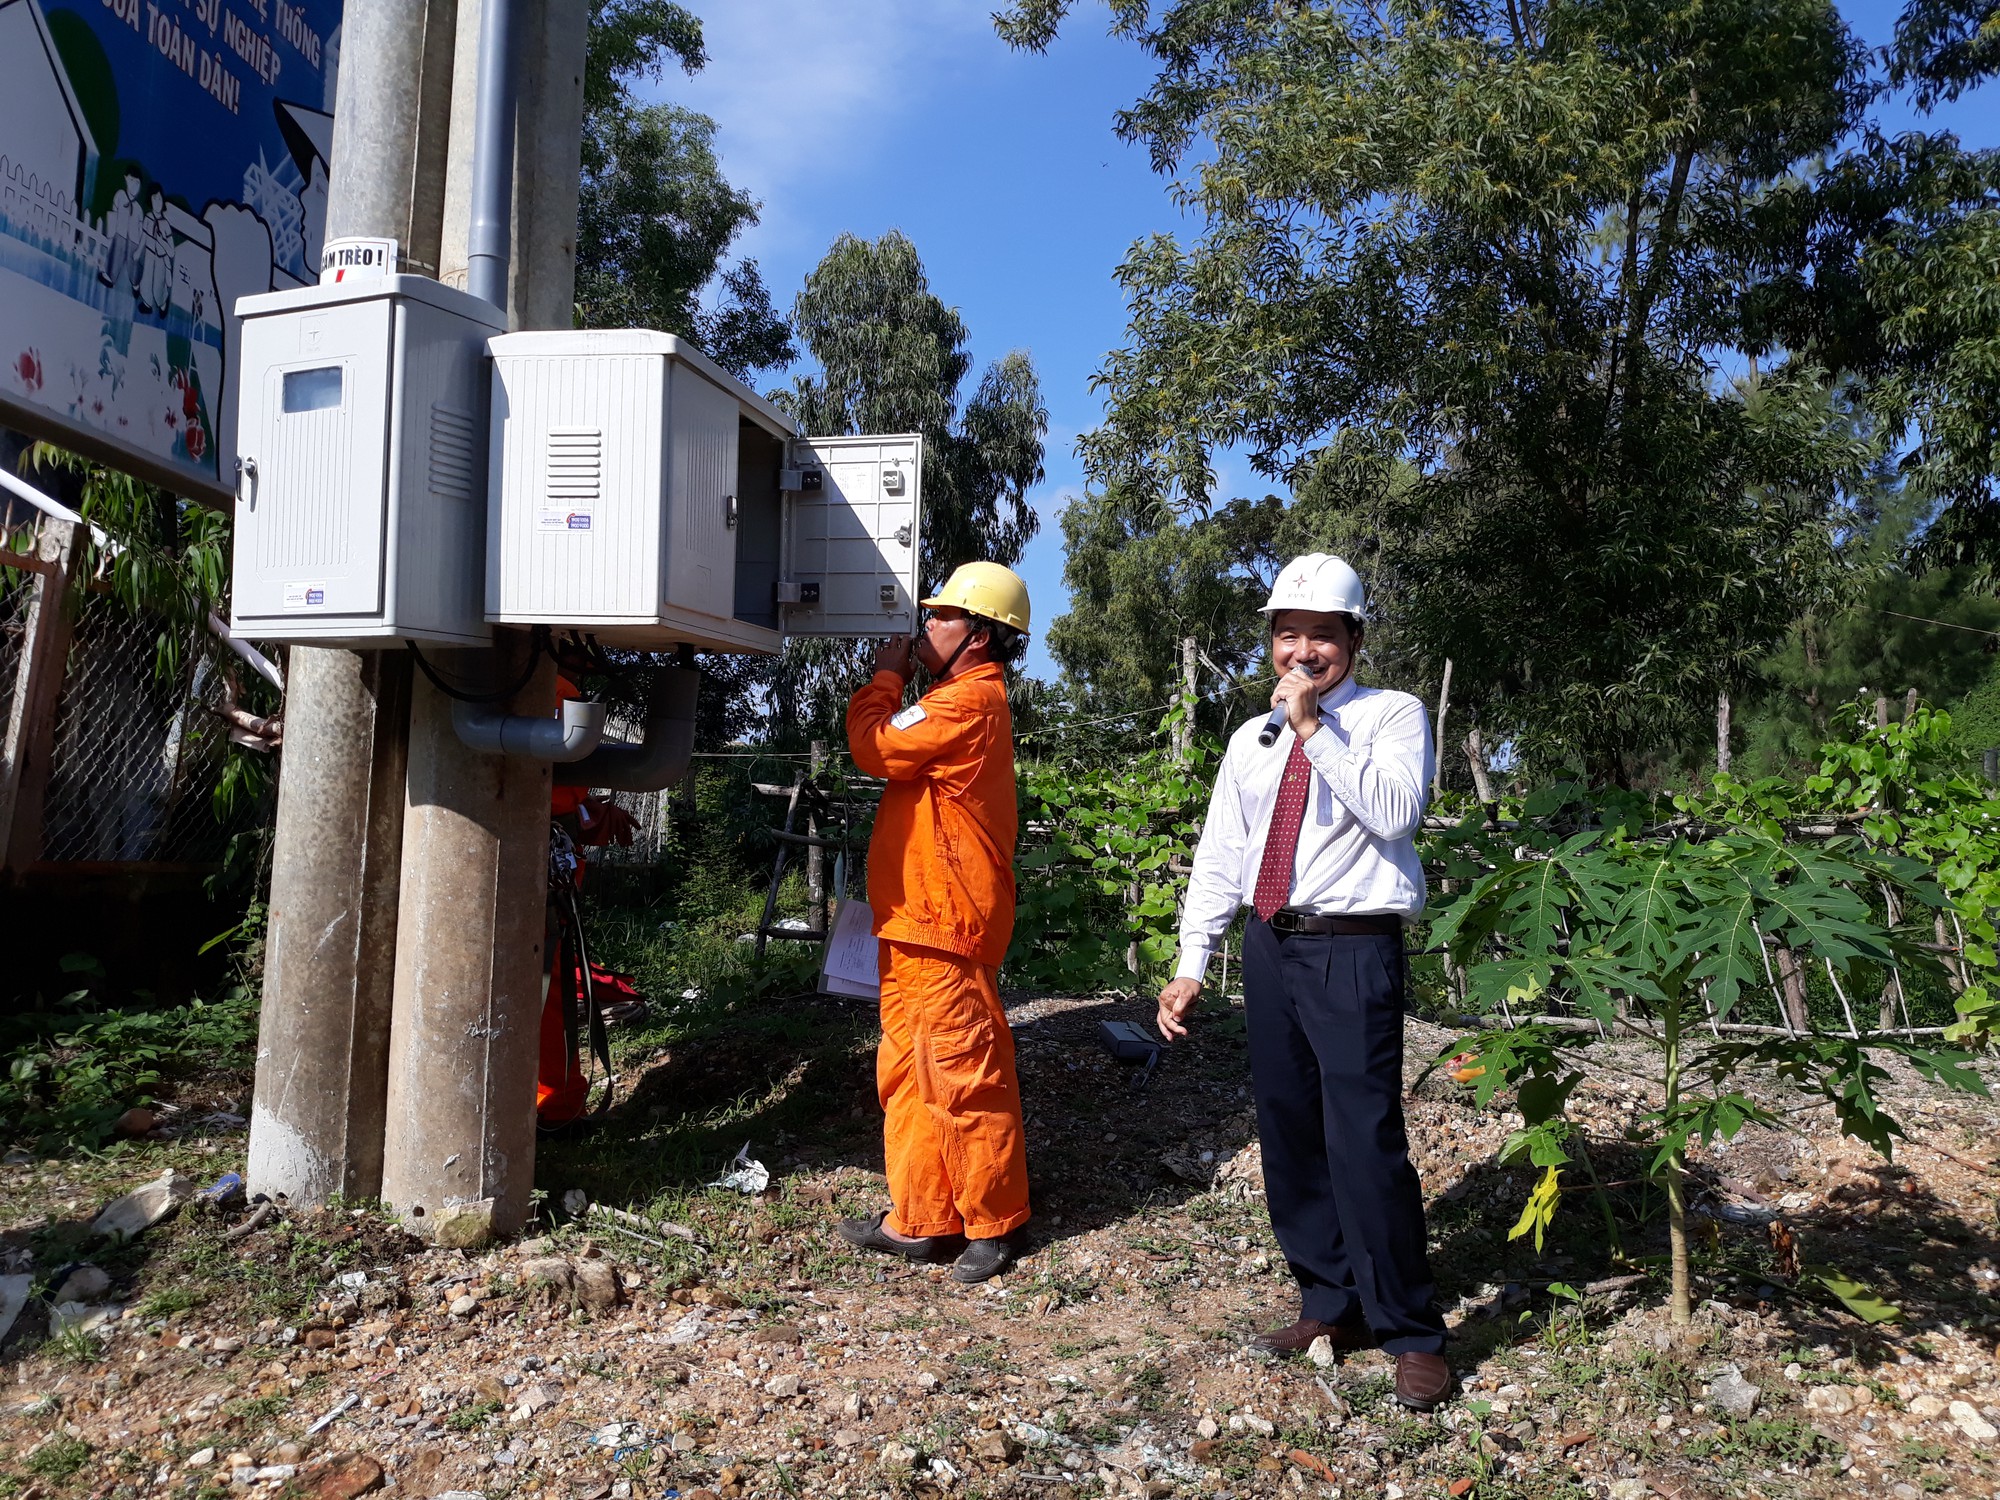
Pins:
x,y
1371,762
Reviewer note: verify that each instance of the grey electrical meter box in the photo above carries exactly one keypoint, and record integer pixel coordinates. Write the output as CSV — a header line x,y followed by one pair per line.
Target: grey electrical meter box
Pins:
x,y
642,494
361,489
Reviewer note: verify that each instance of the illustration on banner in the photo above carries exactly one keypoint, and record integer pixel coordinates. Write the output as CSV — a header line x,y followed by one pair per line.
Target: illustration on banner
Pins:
x,y
158,160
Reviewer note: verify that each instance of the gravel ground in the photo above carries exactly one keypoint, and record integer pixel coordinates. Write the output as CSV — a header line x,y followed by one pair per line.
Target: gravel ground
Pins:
x,y
721,1345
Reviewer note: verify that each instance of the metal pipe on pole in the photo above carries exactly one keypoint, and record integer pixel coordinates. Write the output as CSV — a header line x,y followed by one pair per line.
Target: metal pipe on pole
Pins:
x,y
317,1117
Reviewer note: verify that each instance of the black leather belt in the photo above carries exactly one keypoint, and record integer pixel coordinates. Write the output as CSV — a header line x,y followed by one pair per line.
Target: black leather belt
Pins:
x,y
1287,922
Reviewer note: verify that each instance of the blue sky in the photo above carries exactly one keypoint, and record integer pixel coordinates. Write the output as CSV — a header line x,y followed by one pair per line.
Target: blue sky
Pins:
x,y
868,115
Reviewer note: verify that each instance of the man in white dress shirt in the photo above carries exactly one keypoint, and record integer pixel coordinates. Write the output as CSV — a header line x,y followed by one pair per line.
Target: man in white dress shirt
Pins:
x,y
1315,832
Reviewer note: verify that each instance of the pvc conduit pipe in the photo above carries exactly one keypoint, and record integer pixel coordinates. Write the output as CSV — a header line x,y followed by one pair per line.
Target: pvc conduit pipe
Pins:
x,y
496,732
488,234
662,757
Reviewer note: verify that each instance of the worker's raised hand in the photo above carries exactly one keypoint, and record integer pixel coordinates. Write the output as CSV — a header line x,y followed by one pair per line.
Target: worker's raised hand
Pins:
x,y
1176,1000
898,656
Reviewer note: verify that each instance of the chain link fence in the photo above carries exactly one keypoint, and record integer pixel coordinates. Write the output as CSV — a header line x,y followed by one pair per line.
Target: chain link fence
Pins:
x,y
137,754
16,588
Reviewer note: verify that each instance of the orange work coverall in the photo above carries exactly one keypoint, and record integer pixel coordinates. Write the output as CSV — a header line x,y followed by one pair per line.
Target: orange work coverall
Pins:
x,y
941,887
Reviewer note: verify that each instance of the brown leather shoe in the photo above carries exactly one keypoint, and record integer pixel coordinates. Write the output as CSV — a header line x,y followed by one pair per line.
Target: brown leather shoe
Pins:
x,y
1422,1380
1297,1338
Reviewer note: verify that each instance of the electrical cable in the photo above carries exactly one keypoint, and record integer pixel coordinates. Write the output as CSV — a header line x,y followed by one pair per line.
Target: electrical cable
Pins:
x,y
1945,624
542,643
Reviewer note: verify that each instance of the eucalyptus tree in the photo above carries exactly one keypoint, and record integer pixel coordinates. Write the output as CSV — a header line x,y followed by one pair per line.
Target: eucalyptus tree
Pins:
x,y
1481,271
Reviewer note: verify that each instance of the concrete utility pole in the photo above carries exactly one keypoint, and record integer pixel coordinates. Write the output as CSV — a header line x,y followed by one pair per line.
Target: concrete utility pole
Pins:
x,y
316,1124
470,967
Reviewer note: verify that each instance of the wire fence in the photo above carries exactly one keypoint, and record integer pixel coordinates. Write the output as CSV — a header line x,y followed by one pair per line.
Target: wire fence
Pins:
x,y
136,754
16,589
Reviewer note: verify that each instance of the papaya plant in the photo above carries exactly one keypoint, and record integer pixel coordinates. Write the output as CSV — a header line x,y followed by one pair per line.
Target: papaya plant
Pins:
x,y
1666,940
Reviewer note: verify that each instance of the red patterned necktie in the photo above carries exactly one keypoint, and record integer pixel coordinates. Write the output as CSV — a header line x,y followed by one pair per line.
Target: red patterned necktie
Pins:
x,y
1281,844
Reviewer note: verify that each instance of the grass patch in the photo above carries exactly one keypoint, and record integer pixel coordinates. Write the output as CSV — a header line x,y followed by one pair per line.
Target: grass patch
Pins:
x,y
59,1458
468,1417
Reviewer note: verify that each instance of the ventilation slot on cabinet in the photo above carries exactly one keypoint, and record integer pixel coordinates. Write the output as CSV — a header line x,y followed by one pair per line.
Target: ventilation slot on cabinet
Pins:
x,y
576,466
451,452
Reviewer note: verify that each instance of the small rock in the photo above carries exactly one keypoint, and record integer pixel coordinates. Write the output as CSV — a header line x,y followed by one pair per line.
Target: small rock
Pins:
x,y
1206,1427
139,1210
1928,1405
1829,1401
1731,1393
927,1380
1630,1489
84,1284
134,1122
1967,1419
1259,1425
1795,1372
320,1338
994,1448
464,1307
534,1398
460,1226
597,1285
80,1317
271,1473
855,1406
896,1456
784,1386
225,1344
287,1453
847,1437
548,1271
201,1458
778,1333
346,1478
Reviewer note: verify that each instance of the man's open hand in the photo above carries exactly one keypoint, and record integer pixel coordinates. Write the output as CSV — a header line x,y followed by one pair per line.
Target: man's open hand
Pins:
x,y
1176,1000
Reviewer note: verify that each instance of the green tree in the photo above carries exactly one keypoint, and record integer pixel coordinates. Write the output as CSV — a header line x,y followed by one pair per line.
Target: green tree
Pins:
x,y
656,217
1140,583
1892,633
1505,249
892,357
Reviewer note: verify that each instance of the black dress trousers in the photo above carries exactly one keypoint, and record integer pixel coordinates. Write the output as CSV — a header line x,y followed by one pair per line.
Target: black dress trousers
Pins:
x,y
1326,1061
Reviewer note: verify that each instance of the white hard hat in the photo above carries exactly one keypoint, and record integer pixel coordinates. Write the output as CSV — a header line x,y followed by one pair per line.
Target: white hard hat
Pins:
x,y
1321,583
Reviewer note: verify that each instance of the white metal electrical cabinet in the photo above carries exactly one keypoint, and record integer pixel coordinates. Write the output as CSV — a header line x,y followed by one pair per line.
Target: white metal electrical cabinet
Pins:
x,y
360,512
642,494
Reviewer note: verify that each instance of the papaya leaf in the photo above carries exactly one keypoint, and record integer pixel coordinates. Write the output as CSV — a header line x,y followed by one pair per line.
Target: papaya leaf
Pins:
x,y
1540,1208
1854,1295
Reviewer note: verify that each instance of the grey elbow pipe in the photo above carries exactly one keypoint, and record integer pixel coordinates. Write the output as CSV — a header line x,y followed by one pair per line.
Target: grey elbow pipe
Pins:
x,y
662,757
496,732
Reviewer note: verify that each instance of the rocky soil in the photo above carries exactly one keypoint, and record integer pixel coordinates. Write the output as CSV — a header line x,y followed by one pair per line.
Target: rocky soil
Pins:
x,y
661,1339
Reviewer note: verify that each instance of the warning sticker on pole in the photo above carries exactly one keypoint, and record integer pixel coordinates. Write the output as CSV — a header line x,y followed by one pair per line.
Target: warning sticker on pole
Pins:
x,y
356,259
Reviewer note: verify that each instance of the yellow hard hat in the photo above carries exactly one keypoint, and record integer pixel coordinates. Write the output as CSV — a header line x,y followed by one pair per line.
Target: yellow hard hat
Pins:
x,y
985,589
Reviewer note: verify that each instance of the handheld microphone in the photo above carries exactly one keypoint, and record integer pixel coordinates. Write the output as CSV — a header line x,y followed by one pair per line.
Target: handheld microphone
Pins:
x,y
1268,735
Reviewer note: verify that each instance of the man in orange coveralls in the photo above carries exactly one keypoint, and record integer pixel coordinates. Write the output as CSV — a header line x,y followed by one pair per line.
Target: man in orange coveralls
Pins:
x,y
941,885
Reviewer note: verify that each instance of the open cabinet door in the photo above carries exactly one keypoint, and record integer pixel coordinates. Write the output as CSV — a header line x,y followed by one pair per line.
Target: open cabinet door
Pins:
x,y
853,532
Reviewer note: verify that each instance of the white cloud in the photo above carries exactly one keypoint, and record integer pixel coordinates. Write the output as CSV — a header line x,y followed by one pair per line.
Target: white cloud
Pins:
x,y
810,90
